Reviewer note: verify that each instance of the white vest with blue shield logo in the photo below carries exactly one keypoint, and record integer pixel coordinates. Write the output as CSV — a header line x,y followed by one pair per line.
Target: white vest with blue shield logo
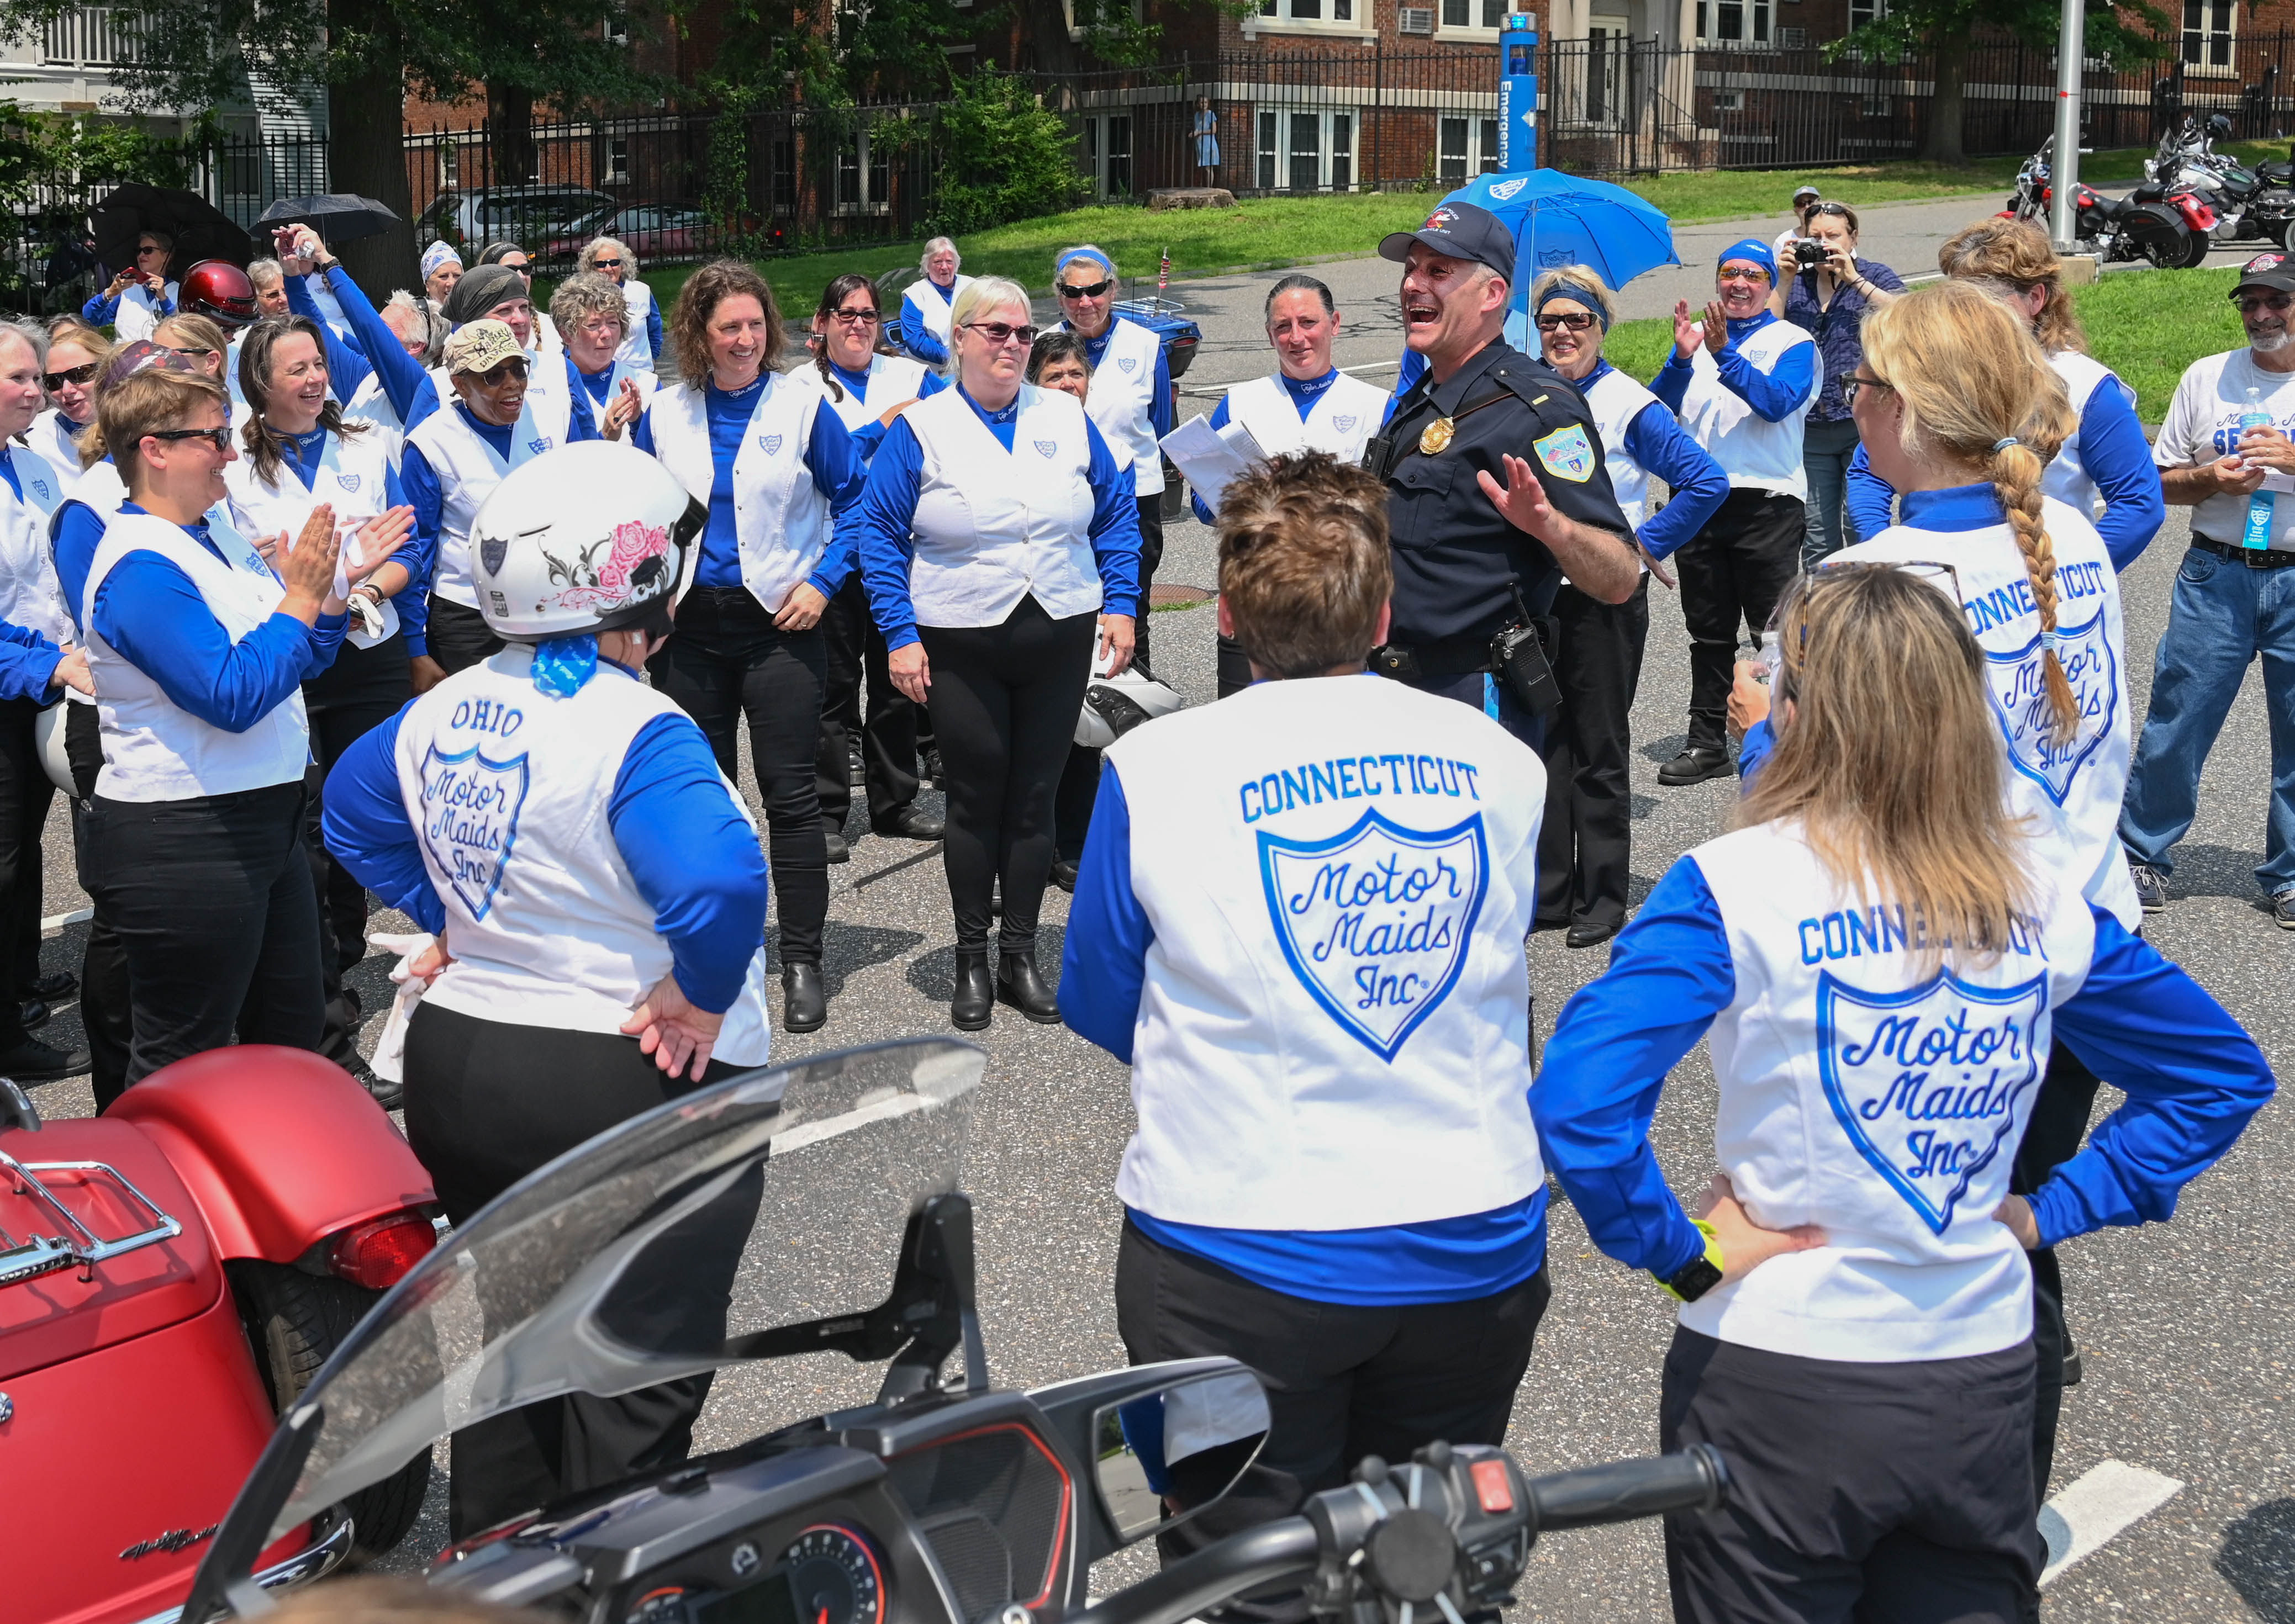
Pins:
x,y
507,789
1756,454
892,380
1881,1099
1333,1023
779,516
2068,479
1341,420
1123,399
351,476
1614,401
469,468
30,595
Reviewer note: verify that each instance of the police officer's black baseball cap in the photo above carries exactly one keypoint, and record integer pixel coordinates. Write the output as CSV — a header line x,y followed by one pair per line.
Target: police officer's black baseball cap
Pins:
x,y
2272,270
1463,232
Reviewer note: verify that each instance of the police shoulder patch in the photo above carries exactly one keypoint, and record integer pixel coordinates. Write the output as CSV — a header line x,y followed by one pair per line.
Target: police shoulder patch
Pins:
x,y
1567,453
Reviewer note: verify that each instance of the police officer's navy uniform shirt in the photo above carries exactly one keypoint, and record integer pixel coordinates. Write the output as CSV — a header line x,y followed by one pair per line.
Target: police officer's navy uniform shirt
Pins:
x,y
1455,555
1335,413
2105,470
1300,920
1877,1097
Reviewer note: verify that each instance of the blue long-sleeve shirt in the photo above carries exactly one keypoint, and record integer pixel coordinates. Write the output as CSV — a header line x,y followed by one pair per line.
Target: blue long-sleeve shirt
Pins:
x,y
2191,1076
99,311
916,338
404,382
1774,395
28,664
2113,451
839,469
148,610
886,520
1656,440
871,435
1303,392
1448,1260
693,859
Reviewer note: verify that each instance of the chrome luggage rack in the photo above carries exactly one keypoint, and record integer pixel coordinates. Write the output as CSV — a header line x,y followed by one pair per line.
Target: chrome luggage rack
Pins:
x,y
79,1246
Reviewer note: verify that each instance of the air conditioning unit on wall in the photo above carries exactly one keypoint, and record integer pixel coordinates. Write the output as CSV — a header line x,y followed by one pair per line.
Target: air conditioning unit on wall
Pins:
x,y
1415,18
1792,40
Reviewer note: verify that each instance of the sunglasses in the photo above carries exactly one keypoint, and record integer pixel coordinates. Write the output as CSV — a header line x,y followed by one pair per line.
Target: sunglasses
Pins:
x,y
177,349
854,318
1002,332
2275,303
1576,321
1742,274
1841,210
501,372
1920,569
220,438
1087,290
1852,384
78,374
606,264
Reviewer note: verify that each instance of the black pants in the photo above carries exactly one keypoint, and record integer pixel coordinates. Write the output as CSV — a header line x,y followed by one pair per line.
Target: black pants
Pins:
x,y
2053,1136
1004,700
1882,1494
459,637
1733,572
363,689
1151,554
1586,845
727,661
1079,786
104,1000
1343,1381
213,902
25,797
853,644
486,1103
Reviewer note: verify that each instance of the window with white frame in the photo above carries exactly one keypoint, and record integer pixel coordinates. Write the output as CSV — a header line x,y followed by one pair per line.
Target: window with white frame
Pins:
x,y
1308,10
1473,14
1862,12
618,159
1107,153
2208,27
1465,148
865,176
1305,150
616,29
1733,22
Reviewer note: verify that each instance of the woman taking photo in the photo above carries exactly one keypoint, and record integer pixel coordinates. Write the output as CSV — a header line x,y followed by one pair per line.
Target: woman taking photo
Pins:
x,y
77,355
1829,302
866,389
2105,470
781,477
1856,1277
1000,544
140,295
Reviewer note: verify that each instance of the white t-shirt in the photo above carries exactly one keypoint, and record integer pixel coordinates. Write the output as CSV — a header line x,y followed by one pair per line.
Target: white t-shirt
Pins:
x,y
2203,425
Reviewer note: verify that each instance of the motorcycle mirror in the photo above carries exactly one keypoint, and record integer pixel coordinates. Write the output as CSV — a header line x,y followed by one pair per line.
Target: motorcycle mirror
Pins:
x,y
1162,1457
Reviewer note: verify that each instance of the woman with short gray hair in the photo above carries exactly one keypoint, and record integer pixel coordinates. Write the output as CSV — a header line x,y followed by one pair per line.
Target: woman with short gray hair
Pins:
x,y
929,304
593,317
641,341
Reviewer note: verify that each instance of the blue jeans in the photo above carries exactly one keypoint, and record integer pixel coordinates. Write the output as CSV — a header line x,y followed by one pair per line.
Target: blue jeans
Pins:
x,y
1825,451
2222,616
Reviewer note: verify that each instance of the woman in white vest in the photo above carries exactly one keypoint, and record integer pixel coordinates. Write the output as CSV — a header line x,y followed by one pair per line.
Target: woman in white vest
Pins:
x,y
2105,470
1882,962
867,389
76,359
1586,858
1741,381
372,370
928,305
31,614
501,293
453,461
138,296
199,653
298,453
597,902
1131,396
781,478
593,317
1300,923
1307,405
999,543
514,258
610,257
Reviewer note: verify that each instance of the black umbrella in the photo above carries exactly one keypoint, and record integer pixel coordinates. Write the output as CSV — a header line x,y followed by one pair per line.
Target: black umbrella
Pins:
x,y
338,217
200,230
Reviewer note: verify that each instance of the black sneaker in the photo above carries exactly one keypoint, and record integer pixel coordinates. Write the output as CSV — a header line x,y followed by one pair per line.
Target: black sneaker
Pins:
x,y
385,1093
32,1061
2152,889
2282,908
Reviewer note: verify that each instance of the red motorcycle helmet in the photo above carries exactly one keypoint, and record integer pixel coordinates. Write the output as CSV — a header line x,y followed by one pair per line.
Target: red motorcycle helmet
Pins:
x,y
219,291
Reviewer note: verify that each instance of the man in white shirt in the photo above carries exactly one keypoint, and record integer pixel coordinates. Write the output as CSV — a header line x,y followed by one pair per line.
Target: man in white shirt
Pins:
x,y
2235,597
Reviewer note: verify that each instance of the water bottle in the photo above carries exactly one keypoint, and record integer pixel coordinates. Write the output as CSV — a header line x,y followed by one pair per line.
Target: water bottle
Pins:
x,y
2258,535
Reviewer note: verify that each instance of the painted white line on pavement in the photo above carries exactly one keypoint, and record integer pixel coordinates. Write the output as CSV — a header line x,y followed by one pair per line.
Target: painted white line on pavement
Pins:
x,y
2089,1514
57,921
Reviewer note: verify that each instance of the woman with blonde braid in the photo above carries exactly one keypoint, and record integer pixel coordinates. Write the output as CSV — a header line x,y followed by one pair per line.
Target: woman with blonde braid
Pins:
x,y
1960,411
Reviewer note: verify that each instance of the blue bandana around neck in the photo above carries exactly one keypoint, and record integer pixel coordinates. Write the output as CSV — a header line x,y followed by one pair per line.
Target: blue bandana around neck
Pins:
x,y
562,664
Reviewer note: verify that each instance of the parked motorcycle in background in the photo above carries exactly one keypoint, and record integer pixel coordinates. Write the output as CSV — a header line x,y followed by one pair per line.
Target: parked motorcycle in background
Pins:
x,y
2170,231
2249,205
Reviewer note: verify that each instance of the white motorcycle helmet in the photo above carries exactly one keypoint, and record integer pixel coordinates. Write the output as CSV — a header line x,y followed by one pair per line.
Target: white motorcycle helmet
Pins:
x,y
48,733
1114,705
590,537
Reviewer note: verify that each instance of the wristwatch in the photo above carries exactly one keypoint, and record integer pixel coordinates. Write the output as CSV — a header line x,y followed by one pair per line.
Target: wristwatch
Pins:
x,y
1701,1274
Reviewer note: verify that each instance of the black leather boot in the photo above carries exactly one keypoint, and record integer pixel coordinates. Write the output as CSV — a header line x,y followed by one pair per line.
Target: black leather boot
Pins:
x,y
1019,984
975,993
805,1002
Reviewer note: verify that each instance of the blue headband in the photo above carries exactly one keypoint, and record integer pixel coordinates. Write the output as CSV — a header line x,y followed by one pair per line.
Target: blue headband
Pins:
x,y
1576,295
1753,251
1068,257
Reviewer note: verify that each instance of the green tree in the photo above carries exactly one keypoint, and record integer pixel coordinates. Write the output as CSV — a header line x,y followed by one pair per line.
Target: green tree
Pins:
x,y
1004,156
1944,31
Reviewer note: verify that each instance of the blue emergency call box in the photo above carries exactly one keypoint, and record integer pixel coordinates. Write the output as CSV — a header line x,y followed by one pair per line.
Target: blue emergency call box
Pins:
x,y
1517,95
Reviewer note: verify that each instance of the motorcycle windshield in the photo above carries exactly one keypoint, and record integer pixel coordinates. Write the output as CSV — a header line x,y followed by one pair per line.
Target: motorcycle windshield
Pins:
x,y
773,1199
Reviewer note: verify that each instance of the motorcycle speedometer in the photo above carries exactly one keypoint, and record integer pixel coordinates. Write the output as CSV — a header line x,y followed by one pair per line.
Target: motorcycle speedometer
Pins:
x,y
835,1577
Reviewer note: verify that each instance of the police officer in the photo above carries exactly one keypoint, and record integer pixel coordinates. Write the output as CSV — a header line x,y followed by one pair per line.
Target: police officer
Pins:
x,y
1474,556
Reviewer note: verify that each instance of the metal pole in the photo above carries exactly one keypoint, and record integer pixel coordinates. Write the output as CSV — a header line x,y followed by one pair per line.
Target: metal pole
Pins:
x,y
2072,51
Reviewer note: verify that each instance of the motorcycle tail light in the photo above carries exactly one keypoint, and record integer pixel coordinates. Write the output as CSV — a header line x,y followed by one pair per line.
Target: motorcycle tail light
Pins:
x,y
378,1253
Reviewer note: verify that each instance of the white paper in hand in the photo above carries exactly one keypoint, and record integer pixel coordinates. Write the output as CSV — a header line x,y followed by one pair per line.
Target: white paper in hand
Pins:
x,y
1212,459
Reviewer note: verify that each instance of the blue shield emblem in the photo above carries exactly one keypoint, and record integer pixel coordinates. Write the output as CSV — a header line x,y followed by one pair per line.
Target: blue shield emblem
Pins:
x,y
40,489
1346,425
1931,1084
1375,921
1048,447
349,482
2020,701
1127,364
538,447
771,443
470,820
1567,453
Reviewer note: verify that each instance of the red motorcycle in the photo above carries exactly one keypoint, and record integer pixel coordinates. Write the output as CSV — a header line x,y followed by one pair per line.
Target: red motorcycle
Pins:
x,y
173,1274
2168,225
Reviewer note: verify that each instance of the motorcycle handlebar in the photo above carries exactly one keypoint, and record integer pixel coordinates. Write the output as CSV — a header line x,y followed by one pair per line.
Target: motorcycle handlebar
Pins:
x,y
1621,1492
1240,1562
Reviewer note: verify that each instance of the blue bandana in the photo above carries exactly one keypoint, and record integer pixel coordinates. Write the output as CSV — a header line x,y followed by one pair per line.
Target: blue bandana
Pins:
x,y
563,664
1576,295
1753,251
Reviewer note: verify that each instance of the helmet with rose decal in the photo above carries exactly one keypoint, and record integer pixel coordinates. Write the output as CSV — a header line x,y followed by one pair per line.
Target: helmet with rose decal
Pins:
x,y
590,537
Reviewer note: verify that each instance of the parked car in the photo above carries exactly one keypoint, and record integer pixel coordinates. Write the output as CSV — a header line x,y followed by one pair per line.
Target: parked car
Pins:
x,y
526,215
654,232
173,1274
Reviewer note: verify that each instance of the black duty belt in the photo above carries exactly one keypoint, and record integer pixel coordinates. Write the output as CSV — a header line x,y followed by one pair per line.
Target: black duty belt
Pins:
x,y
2254,557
